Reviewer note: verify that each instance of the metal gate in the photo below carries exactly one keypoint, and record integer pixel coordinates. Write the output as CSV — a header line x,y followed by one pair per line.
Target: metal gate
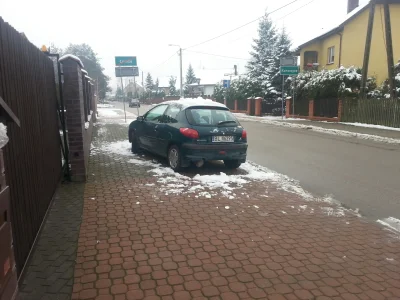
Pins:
x,y
32,155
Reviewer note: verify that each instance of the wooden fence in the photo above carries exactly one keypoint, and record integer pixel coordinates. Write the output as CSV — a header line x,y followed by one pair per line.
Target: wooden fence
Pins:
x,y
32,156
384,112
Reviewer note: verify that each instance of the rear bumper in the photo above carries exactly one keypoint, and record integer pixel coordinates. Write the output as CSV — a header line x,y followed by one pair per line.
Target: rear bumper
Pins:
x,y
196,152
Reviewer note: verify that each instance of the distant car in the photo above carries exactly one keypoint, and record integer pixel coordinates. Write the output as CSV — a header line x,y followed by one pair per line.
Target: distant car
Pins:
x,y
190,131
134,103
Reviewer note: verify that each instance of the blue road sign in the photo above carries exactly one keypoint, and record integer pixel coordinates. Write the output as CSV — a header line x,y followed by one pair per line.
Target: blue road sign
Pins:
x,y
226,83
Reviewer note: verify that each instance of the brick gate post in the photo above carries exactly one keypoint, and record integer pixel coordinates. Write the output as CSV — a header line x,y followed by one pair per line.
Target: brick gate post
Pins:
x,y
258,106
311,109
75,116
288,101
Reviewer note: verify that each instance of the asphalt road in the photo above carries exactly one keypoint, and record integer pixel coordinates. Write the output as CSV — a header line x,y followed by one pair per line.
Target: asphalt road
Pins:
x,y
358,173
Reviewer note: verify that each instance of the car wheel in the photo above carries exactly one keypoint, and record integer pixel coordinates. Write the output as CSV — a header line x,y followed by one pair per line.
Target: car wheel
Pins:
x,y
174,158
232,164
135,144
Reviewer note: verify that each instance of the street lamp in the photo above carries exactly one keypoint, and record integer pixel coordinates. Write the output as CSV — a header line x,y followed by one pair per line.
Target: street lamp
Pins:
x,y
180,67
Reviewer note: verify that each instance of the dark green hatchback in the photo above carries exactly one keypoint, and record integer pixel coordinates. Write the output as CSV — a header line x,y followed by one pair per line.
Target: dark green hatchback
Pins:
x,y
190,131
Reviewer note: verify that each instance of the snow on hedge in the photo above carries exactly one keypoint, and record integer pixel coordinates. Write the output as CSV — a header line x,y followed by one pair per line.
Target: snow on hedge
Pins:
x,y
73,57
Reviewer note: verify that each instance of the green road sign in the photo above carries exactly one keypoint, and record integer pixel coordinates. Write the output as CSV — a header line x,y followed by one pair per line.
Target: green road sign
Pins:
x,y
125,61
289,70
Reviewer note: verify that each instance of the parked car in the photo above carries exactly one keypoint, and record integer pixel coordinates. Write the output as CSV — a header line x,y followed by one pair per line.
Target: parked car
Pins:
x,y
134,103
190,131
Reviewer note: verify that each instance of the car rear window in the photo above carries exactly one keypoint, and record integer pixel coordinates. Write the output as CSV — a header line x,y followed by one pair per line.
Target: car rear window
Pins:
x,y
210,117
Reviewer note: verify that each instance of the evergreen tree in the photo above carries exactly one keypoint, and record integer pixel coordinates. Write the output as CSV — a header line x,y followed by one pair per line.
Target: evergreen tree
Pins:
x,y
190,76
157,84
119,94
172,87
149,82
261,67
282,49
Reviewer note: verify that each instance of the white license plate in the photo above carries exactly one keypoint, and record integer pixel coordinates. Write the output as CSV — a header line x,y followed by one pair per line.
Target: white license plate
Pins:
x,y
223,139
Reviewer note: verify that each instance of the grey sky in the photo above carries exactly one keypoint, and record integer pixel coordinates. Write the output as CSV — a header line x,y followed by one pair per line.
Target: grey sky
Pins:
x,y
145,28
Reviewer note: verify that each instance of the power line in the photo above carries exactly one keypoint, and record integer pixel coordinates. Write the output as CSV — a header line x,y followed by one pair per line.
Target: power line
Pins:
x,y
292,12
159,65
214,38
211,54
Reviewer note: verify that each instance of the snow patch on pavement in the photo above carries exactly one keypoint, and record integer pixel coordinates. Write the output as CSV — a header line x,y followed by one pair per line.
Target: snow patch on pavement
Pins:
x,y
371,126
105,105
391,224
208,186
336,132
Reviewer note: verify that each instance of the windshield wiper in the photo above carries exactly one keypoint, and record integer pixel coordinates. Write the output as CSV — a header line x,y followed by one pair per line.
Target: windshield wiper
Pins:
x,y
225,122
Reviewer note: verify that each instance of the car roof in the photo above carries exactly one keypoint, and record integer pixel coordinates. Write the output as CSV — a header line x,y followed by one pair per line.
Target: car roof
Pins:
x,y
193,102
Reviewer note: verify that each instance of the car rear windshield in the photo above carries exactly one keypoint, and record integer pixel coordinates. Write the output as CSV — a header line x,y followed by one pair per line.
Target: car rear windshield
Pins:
x,y
210,116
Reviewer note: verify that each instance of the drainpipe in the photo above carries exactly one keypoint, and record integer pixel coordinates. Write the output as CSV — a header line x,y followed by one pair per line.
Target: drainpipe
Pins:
x,y
340,48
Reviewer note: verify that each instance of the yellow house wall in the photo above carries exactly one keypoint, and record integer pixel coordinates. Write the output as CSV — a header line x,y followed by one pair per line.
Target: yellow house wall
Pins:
x,y
353,43
331,41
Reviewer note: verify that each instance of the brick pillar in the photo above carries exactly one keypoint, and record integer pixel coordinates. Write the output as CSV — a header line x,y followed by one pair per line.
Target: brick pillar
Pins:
x,y
8,275
340,109
249,106
75,117
225,101
236,105
258,108
288,108
311,109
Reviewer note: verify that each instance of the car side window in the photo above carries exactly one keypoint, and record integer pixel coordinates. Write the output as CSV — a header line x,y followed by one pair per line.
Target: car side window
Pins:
x,y
155,115
171,113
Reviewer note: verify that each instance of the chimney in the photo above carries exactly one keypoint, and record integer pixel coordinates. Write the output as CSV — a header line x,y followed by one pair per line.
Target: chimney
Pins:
x,y
352,5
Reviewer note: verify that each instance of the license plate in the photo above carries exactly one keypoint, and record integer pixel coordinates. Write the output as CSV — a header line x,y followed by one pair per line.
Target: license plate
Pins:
x,y
223,139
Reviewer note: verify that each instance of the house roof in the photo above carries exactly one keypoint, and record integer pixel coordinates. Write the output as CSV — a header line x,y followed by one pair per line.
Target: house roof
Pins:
x,y
350,16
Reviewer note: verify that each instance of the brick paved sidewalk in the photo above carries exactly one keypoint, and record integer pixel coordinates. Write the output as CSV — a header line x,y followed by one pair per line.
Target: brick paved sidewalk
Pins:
x,y
141,241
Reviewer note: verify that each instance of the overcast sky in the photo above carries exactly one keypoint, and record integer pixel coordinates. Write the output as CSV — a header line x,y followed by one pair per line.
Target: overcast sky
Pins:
x,y
145,28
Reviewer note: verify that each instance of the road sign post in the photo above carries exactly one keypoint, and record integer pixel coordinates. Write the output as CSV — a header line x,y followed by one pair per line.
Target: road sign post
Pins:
x,y
125,66
125,61
289,70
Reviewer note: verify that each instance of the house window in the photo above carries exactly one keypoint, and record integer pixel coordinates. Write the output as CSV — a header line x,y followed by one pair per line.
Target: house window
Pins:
x,y
331,55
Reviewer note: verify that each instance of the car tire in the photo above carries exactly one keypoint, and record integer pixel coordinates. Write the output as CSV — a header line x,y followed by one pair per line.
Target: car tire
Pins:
x,y
232,164
135,144
174,158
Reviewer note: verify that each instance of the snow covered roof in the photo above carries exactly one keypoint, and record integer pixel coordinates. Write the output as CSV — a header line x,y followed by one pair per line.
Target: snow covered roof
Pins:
x,y
73,57
190,102
350,16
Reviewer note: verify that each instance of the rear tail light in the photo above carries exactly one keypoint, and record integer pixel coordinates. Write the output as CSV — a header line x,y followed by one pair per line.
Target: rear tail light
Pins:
x,y
190,133
244,134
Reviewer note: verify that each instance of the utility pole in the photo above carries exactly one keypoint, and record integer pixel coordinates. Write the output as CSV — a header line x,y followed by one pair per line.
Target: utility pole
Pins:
x,y
180,67
367,50
389,49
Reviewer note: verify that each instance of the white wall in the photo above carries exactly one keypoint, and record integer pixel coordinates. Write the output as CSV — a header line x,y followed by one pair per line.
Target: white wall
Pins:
x,y
209,90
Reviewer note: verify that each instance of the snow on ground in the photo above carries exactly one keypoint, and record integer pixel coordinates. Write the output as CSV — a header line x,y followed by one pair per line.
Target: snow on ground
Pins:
x,y
114,116
337,132
371,126
222,184
105,106
391,224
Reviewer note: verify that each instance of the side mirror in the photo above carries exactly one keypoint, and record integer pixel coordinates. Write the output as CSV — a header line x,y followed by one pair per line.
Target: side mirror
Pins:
x,y
140,118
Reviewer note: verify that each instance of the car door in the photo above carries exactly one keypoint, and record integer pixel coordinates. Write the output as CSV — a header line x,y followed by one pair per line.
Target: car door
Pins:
x,y
150,121
163,130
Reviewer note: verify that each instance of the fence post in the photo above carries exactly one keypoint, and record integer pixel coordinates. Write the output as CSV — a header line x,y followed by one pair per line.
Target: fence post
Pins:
x,y
340,109
74,104
311,109
288,108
